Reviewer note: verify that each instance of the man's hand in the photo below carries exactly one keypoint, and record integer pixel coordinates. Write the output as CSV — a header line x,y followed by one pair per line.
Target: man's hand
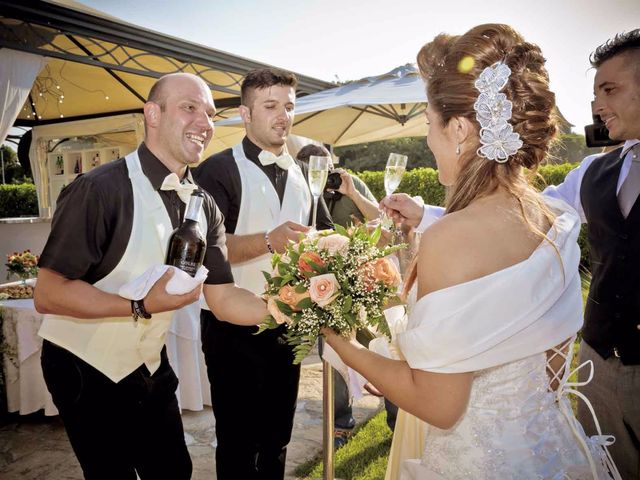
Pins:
x,y
58,295
158,300
403,209
282,234
347,187
233,304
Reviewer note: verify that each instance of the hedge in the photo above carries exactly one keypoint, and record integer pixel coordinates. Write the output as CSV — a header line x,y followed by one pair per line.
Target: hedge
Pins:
x,y
18,200
424,182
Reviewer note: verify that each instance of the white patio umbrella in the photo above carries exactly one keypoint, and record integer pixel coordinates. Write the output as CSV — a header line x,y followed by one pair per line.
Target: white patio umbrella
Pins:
x,y
367,110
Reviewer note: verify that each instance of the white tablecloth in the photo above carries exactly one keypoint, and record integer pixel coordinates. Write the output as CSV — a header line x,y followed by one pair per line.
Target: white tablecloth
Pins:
x,y
27,392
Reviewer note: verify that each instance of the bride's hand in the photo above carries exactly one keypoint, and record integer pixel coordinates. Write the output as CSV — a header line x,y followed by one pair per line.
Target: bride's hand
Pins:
x,y
331,336
327,332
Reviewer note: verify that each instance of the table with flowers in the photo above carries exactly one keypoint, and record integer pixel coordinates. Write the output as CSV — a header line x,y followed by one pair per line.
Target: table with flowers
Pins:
x,y
25,387
24,384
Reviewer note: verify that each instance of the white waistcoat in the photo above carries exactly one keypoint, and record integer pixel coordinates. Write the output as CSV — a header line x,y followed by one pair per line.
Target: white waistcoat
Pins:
x,y
117,346
260,211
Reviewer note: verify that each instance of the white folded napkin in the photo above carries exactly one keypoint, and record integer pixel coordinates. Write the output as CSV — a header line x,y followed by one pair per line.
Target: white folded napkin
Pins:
x,y
355,382
179,284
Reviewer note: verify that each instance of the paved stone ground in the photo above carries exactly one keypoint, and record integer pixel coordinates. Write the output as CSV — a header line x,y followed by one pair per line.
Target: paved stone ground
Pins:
x,y
37,449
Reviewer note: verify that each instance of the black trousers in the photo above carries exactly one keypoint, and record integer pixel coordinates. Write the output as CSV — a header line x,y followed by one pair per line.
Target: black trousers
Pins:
x,y
254,387
118,429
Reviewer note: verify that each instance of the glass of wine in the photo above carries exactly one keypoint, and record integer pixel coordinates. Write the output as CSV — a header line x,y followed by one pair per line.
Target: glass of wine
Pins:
x,y
318,172
396,166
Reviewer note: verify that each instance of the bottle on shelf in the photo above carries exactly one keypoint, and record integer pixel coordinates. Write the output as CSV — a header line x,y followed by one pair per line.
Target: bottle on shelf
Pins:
x,y
187,244
59,165
77,168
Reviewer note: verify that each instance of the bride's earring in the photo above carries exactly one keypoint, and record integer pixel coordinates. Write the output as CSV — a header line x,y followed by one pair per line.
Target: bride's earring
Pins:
x,y
458,149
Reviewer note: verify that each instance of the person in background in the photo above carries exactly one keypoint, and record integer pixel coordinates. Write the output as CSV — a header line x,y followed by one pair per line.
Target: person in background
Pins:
x,y
103,356
266,202
352,202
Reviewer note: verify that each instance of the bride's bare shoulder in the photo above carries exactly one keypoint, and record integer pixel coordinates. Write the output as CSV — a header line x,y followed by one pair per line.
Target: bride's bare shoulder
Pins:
x,y
446,253
470,244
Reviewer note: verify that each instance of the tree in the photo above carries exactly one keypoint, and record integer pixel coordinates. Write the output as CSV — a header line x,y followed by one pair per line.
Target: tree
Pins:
x,y
373,155
570,148
12,171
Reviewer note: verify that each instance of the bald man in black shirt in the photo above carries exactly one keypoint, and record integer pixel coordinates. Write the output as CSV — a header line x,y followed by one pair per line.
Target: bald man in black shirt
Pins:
x,y
104,359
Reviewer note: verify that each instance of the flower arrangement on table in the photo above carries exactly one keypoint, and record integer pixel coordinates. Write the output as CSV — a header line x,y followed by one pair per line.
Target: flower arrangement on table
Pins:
x,y
23,265
340,280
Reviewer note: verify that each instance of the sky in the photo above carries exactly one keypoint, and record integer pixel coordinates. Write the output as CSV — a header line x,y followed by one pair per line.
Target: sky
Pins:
x,y
351,39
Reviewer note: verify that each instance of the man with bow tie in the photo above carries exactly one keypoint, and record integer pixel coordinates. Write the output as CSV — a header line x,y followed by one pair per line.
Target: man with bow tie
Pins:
x,y
103,357
263,195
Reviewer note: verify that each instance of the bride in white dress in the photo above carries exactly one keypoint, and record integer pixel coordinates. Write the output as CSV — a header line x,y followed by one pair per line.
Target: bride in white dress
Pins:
x,y
488,343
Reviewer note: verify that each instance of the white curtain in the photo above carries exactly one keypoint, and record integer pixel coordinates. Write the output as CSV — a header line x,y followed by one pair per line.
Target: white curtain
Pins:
x,y
18,70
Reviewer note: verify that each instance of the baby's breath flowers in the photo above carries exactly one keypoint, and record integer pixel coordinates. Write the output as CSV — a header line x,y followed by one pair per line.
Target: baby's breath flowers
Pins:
x,y
340,280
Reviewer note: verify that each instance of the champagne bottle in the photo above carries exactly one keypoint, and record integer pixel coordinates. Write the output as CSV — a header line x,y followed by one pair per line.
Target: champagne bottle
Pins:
x,y
187,244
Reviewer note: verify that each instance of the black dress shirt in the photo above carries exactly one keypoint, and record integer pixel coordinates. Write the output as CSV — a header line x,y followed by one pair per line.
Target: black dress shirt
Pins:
x,y
219,175
94,216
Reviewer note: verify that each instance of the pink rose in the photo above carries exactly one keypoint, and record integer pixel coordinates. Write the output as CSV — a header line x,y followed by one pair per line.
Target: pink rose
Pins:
x,y
385,270
379,270
324,289
274,311
306,257
334,243
287,294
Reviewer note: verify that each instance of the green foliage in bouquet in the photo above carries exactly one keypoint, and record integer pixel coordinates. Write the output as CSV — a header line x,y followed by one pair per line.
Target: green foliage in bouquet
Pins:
x,y
340,279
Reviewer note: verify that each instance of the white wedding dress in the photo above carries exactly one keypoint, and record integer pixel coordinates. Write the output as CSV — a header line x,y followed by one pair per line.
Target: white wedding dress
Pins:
x,y
519,423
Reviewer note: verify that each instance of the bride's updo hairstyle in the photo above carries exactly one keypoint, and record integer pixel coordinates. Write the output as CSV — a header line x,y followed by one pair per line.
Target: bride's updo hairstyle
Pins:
x,y
450,65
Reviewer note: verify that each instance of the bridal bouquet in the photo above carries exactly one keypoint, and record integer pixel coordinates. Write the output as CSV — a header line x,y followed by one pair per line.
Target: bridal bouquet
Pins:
x,y
339,279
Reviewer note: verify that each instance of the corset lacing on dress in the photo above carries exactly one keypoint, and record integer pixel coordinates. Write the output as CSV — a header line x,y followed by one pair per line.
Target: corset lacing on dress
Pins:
x,y
560,380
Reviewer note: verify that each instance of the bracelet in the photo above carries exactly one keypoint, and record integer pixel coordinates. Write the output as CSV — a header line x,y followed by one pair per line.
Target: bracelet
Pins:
x,y
138,310
269,247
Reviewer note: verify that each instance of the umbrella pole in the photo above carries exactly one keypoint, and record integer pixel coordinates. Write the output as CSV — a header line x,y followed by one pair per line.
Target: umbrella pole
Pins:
x,y
327,419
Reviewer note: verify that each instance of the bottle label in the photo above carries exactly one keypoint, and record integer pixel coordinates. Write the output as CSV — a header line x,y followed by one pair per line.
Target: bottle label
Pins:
x,y
190,267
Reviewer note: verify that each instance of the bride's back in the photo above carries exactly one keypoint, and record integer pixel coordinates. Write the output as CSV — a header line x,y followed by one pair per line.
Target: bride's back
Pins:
x,y
489,235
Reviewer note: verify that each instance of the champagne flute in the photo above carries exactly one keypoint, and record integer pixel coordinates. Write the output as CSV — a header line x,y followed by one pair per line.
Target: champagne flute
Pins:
x,y
318,172
396,166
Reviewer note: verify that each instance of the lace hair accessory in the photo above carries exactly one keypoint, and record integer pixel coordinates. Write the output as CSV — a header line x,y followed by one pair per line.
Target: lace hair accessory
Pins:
x,y
493,111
